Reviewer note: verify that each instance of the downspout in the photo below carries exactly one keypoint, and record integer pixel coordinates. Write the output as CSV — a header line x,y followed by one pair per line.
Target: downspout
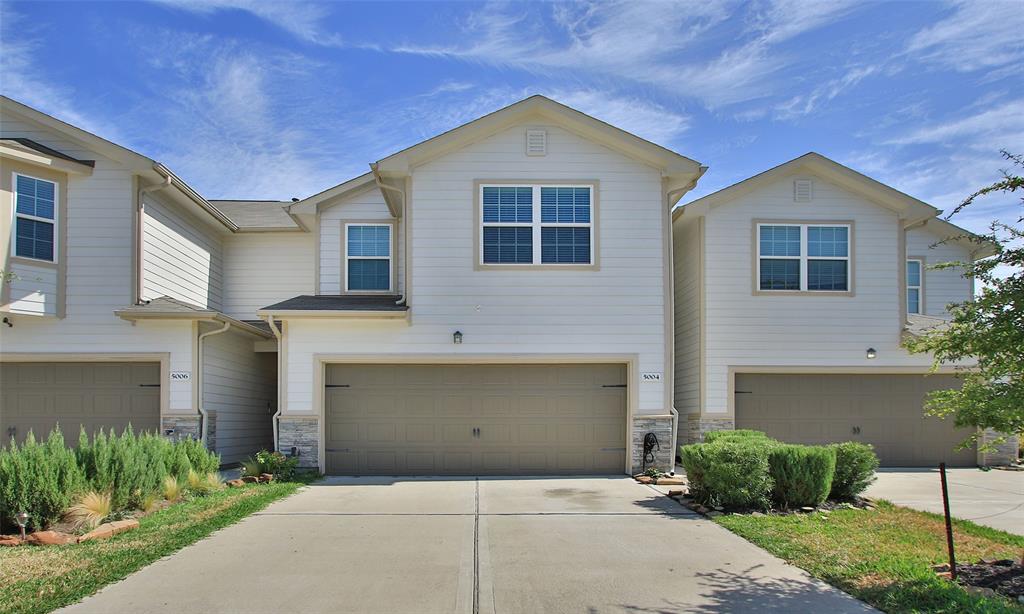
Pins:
x,y
277,414
139,228
199,378
377,179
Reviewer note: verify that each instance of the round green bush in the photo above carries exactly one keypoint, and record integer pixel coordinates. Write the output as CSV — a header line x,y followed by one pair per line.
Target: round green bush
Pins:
x,y
802,475
855,470
732,474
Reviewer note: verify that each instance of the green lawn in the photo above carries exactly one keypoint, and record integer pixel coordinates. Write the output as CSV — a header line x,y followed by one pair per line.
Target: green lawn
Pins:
x,y
41,579
883,557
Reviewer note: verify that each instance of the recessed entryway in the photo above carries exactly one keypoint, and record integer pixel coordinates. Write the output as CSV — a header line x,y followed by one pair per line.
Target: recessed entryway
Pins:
x,y
37,396
458,419
885,410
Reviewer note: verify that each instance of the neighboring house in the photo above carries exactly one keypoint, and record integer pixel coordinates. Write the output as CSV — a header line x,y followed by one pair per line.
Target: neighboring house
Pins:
x,y
793,291
116,310
495,300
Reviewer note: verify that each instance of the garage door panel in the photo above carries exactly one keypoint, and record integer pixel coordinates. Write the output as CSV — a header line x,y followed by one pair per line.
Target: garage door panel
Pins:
x,y
39,396
884,410
476,419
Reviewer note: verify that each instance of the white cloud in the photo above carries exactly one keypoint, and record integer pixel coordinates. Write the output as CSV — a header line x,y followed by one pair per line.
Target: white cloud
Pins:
x,y
992,128
804,104
302,19
977,35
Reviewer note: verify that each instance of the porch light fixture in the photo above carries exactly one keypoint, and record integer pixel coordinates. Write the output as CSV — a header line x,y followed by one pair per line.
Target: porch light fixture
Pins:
x,y
457,337
22,519
871,353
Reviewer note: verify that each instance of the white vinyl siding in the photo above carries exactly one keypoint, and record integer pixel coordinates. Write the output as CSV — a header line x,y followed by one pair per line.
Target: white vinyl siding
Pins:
x,y
33,291
263,268
182,257
686,252
941,286
240,385
619,309
98,257
915,277
815,330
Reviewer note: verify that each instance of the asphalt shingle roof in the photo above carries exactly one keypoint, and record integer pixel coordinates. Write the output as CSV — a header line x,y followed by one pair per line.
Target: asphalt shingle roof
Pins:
x,y
307,302
257,214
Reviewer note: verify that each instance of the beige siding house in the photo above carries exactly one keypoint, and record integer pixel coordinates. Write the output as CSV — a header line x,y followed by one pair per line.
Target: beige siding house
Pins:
x,y
808,277
519,295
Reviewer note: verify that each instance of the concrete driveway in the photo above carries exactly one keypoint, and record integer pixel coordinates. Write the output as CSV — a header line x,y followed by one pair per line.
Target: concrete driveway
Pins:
x,y
416,545
991,498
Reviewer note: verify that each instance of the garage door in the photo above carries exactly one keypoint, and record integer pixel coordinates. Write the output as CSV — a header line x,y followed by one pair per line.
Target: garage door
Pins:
x,y
38,396
883,410
475,419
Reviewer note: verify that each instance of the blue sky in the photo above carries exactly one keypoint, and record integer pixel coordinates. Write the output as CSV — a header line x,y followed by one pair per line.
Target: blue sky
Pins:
x,y
249,99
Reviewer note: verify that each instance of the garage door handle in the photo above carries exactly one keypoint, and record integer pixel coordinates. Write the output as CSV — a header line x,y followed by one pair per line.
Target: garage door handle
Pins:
x,y
337,449
613,385
149,385
337,386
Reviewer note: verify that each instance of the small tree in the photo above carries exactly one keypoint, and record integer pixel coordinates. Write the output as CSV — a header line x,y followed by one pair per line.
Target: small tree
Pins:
x,y
988,330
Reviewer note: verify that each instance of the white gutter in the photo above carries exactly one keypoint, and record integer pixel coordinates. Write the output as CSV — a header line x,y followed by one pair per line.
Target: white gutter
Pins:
x,y
280,342
199,377
139,229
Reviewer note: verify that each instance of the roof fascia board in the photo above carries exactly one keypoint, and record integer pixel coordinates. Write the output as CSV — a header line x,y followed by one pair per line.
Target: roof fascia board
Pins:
x,y
194,197
21,153
285,314
201,316
330,196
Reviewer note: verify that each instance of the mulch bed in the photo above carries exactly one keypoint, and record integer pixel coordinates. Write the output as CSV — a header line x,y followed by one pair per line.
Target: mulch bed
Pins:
x,y
1005,577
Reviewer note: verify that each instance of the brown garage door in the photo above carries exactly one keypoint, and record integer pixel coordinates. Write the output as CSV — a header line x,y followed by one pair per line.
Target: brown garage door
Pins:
x,y
883,410
475,419
38,396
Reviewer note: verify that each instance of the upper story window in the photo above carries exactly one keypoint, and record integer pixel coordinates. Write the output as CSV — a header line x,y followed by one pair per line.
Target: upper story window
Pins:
x,y
35,218
803,257
915,283
368,258
513,230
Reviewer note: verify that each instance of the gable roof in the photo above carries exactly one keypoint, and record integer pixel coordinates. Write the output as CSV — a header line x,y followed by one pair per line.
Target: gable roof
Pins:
x,y
134,161
673,164
258,215
907,206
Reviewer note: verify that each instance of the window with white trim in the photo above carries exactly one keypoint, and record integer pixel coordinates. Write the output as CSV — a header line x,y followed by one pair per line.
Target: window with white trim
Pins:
x,y
368,258
803,257
513,230
915,275
35,218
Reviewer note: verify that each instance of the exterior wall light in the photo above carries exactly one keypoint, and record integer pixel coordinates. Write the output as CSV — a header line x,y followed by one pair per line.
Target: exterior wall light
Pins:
x,y
871,353
457,337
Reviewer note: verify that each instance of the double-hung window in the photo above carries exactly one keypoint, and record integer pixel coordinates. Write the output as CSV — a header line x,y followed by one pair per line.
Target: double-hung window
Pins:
x,y
368,258
803,257
915,274
515,231
35,218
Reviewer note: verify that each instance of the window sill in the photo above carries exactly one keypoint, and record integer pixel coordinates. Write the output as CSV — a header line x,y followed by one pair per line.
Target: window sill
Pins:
x,y
844,293
536,267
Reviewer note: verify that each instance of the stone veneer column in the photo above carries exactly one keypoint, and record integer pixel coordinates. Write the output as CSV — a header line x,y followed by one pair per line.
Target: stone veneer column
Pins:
x,y
303,434
1004,453
661,426
177,428
697,426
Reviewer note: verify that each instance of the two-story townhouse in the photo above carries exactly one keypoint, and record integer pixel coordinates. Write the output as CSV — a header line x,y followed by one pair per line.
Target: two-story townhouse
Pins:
x,y
493,300
115,297
794,289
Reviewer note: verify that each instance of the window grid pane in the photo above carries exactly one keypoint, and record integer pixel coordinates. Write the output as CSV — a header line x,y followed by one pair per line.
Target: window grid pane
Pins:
x,y
780,240
565,245
913,273
367,274
508,204
34,239
827,241
508,244
564,205
913,300
35,197
826,275
780,274
369,241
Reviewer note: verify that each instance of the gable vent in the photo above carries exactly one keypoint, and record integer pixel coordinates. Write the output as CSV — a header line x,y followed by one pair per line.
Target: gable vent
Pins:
x,y
536,142
802,190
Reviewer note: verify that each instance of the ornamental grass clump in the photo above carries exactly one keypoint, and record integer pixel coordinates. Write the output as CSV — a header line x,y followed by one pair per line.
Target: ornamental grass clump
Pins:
x,y
172,488
92,508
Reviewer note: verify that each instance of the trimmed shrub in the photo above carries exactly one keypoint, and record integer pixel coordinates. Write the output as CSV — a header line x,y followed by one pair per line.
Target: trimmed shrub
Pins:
x,y
737,435
282,467
802,475
729,473
41,478
855,469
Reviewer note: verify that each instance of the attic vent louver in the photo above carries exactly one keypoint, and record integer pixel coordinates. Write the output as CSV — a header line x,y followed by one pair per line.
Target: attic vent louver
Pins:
x,y
802,190
536,143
